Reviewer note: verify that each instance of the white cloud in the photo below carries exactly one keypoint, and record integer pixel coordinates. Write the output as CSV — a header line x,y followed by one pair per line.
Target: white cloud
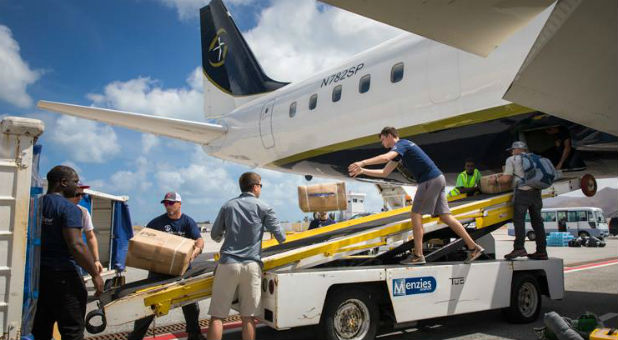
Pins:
x,y
15,74
148,142
84,140
126,180
295,39
188,9
146,95
204,180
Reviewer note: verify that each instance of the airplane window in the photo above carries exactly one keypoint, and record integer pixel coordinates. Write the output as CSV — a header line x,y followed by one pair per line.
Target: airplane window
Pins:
x,y
293,109
363,83
337,93
313,101
397,72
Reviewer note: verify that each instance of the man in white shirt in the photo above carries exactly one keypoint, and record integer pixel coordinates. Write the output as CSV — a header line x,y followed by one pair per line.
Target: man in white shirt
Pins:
x,y
91,238
525,198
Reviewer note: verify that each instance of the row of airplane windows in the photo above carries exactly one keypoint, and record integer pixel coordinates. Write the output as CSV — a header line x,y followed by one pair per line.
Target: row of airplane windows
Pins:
x,y
363,87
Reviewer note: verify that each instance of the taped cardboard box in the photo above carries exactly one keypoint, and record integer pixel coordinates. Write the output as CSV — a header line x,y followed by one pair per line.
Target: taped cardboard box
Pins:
x,y
160,252
489,187
322,197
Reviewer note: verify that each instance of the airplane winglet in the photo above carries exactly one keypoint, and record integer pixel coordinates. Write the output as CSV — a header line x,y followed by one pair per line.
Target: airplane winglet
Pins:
x,y
196,132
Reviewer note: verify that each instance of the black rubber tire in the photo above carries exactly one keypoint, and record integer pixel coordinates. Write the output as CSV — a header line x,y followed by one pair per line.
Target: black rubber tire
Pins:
x,y
531,235
525,299
344,297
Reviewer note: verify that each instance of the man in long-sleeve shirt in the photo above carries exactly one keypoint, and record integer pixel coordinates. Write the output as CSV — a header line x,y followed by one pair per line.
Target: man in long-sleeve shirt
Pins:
x,y
241,222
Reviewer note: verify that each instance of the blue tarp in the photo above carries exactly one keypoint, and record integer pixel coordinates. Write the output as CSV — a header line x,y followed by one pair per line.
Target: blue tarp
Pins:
x,y
33,250
122,232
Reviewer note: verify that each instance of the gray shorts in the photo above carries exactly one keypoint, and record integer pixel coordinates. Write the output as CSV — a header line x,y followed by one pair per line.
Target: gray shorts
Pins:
x,y
430,197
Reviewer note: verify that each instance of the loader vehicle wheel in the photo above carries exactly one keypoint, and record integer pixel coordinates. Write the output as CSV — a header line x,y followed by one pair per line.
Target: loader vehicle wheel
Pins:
x,y
349,314
525,299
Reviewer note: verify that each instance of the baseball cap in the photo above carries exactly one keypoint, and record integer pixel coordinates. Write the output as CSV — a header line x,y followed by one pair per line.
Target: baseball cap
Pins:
x,y
172,197
82,185
518,145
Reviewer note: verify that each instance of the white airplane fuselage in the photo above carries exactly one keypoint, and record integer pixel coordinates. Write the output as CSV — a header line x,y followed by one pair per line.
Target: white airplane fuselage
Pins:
x,y
439,82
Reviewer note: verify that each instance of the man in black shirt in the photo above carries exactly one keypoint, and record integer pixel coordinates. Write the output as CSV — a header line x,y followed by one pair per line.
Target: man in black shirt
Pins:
x,y
62,293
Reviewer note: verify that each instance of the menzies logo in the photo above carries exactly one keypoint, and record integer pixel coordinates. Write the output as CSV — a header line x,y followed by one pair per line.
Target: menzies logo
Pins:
x,y
415,285
217,50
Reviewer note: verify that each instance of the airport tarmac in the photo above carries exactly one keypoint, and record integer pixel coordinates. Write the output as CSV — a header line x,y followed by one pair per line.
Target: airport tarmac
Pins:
x,y
593,289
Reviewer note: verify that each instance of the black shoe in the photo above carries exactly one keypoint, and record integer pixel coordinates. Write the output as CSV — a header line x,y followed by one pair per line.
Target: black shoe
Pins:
x,y
516,253
538,256
195,336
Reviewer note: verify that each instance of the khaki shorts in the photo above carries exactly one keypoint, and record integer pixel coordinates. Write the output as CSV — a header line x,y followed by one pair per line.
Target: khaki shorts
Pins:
x,y
231,278
430,197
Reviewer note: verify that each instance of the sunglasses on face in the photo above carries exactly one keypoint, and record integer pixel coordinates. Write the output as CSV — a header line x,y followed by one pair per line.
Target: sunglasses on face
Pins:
x,y
168,203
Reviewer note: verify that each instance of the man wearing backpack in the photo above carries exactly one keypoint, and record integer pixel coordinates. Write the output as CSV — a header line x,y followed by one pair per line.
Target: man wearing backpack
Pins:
x,y
526,198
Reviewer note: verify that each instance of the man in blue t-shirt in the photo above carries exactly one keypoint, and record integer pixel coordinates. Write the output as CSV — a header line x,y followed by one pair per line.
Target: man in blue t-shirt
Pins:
x,y
177,223
430,197
62,293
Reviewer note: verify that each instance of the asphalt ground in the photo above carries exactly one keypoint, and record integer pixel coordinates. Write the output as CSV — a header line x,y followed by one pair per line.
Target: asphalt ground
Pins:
x,y
587,289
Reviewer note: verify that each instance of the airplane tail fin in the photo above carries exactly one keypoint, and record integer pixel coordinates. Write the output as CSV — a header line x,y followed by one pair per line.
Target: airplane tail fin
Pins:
x,y
227,60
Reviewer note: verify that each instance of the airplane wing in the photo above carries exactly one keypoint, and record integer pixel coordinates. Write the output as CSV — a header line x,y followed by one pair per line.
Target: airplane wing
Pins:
x,y
477,26
571,70
196,132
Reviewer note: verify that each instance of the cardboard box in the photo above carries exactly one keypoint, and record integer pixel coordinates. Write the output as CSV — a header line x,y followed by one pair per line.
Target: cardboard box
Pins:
x,y
160,252
322,197
489,187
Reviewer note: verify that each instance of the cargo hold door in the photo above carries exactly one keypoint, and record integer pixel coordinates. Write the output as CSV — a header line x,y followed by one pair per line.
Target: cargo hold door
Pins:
x,y
266,125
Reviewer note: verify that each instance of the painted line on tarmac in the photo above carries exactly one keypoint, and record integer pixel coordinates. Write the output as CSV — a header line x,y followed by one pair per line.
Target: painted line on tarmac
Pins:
x,y
590,266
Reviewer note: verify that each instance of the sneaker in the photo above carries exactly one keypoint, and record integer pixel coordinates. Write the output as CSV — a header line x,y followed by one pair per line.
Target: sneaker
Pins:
x,y
413,259
474,254
538,256
195,336
516,253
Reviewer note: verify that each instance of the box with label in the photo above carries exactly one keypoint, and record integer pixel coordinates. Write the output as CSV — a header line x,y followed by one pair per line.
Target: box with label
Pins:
x,y
160,252
322,197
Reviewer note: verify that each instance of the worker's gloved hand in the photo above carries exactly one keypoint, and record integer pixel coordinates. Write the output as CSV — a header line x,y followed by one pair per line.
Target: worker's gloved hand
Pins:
x,y
97,281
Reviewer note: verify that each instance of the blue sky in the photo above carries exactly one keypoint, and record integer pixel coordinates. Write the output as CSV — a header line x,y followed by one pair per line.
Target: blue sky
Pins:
x,y
144,56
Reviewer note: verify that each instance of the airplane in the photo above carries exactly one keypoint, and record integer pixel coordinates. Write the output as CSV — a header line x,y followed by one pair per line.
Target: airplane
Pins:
x,y
488,73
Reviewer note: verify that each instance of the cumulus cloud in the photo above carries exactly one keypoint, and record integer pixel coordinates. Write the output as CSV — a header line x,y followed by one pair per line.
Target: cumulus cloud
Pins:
x,y
131,180
15,73
188,9
204,180
148,142
146,95
295,39
84,140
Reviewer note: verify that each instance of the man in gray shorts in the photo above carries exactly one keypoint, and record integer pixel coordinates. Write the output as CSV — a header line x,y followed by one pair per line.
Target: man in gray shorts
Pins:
x,y
430,197
241,221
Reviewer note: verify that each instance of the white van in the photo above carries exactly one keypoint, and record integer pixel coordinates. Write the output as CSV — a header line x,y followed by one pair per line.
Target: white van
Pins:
x,y
579,221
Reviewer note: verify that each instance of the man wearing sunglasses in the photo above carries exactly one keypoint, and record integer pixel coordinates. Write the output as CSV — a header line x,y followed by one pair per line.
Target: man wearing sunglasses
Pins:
x,y
91,238
177,223
241,221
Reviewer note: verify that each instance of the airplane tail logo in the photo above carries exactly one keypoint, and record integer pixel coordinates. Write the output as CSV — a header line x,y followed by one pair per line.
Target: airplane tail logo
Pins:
x,y
227,60
217,50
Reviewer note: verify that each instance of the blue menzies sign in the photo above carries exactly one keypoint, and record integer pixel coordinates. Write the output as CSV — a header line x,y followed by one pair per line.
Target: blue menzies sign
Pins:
x,y
415,285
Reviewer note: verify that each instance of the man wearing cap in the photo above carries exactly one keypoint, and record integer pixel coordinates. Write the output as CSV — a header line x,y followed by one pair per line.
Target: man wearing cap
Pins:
x,y
525,198
177,223
91,238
